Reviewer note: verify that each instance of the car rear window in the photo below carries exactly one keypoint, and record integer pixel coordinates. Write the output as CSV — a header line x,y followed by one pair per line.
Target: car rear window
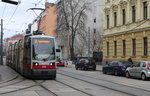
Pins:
x,y
126,62
148,65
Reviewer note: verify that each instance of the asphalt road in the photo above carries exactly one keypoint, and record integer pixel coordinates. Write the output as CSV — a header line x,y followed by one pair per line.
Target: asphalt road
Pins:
x,y
71,82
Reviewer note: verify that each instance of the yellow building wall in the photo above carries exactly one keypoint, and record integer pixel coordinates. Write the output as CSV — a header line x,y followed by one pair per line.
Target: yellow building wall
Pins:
x,y
128,37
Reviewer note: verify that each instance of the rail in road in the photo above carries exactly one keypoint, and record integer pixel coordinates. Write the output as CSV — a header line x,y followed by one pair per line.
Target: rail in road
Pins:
x,y
20,79
129,90
39,83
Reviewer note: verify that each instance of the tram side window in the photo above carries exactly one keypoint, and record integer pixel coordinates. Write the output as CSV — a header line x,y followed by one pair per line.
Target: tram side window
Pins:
x,y
27,52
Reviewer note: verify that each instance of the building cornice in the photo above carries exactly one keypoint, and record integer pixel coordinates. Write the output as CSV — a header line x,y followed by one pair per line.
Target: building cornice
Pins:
x,y
128,31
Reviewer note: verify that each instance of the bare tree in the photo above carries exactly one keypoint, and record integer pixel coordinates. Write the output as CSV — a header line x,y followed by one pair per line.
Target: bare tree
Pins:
x,y
71,16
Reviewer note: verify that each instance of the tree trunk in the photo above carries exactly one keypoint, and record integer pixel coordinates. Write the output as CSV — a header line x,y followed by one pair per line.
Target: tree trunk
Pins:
x,y
72,48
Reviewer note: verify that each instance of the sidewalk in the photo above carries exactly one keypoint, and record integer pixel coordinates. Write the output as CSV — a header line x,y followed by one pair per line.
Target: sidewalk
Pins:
x,y
6,73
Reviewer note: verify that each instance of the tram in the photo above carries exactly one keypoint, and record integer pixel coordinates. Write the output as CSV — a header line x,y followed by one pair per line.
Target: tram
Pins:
x,y
33,56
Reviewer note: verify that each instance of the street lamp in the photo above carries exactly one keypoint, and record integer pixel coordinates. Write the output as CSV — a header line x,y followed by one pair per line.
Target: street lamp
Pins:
x,y
11,2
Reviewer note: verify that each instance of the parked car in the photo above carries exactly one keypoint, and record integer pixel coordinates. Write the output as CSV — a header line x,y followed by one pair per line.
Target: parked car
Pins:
x,y
116,67
140,70
85,64
64,61
60,64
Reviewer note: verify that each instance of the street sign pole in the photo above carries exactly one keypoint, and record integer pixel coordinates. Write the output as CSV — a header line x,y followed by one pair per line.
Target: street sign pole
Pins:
x,y
1,50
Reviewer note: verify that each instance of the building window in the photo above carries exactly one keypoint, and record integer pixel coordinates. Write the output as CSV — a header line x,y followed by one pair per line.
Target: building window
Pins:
x,y
94,42
145,46
107,21
124,47
115,19
133,47
94,20
115,48
123,16
133,14
145,10
107,48
94,30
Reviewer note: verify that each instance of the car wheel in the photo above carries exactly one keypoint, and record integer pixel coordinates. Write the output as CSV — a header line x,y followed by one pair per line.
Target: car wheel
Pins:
x,y
104,72
76,68
143,76
94,69
127,75
84,68
116,73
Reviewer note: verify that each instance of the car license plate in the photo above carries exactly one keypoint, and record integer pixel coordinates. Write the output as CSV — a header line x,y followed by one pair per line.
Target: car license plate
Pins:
x,y
43,66
90,66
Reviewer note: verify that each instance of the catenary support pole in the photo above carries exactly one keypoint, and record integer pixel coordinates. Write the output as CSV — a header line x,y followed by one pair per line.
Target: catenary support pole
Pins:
x,y
1,50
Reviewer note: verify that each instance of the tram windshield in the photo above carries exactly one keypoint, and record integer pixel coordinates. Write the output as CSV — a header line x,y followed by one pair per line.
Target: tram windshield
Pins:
x,y
43,49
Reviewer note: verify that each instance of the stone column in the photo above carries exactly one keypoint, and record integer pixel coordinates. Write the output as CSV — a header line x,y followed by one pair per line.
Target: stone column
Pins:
x,y
139,10
119,15
128,13
111,18
148,9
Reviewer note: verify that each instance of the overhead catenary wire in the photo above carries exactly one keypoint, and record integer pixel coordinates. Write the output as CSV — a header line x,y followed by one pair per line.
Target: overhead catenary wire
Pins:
x,y
25,21
4,11
12,15
36,4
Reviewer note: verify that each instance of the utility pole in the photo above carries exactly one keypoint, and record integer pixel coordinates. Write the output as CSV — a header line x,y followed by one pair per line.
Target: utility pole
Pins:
x,y
1,50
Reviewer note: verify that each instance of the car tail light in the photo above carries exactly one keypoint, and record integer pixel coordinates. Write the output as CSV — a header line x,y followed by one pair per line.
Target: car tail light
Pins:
x,y
148,66
85,63
122,67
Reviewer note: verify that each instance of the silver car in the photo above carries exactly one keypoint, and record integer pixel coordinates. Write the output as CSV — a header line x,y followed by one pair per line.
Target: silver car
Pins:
x,y
140,70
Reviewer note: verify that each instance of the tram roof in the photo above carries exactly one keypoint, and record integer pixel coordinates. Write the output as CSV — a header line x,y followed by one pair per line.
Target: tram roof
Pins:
x,y
41,36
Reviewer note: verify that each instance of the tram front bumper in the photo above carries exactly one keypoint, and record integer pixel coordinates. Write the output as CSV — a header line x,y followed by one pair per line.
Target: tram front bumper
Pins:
x,y
43,72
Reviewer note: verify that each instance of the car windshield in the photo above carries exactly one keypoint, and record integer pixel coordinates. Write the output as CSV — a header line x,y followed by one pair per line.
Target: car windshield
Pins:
x,y
86,60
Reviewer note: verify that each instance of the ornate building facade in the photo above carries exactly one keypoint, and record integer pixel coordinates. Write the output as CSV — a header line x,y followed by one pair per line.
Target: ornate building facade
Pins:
x,y
127,30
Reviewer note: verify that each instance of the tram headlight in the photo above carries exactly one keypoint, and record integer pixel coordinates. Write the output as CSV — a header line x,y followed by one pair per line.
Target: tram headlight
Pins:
x,y
52,64
35,64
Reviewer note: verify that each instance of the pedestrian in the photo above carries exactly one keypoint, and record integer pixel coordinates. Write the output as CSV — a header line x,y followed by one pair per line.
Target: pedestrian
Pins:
x,y
130,60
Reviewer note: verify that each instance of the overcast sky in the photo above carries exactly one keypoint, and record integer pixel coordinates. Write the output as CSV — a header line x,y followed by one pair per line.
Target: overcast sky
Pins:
x,y
17,17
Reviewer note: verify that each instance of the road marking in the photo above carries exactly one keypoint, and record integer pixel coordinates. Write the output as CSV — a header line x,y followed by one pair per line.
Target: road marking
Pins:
x,y
28,93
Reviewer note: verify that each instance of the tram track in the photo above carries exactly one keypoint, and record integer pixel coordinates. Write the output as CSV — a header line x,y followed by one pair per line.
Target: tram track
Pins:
x,y
17,90
74,88
36,83
85,79
44,87
12,81
2,82
109,81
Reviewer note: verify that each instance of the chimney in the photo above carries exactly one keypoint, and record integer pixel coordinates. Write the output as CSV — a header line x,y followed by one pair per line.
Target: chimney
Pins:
x,y
47,5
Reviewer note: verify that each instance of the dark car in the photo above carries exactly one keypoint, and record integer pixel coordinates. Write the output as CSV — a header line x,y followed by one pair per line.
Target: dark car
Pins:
x,y
85,64
116,67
